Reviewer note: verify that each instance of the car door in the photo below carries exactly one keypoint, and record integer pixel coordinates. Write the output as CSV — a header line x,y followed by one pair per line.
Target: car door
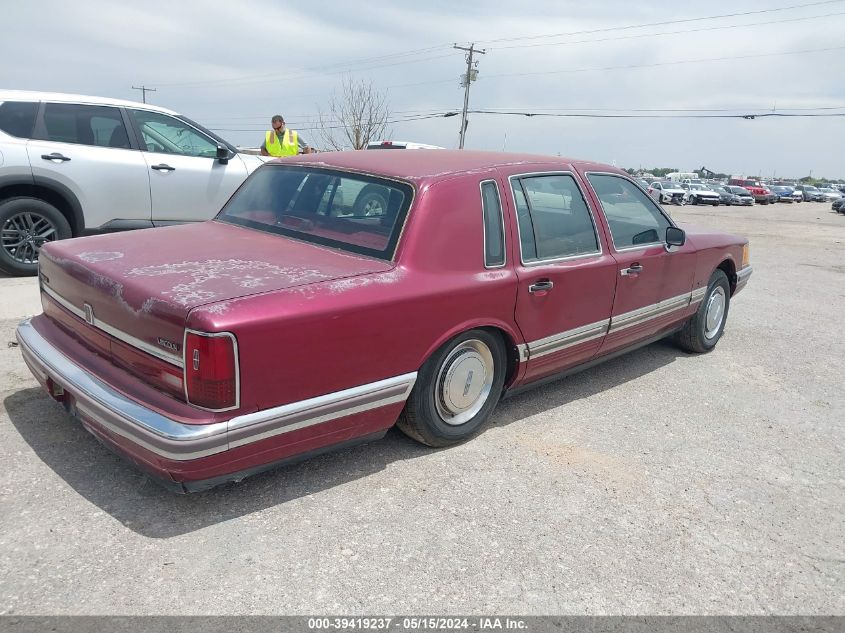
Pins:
x,y
566,277
187,182
87,149
654,283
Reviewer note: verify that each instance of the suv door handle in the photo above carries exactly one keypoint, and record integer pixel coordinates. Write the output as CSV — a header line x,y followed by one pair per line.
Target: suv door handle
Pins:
x,y
163,167
541,286
55,156
633,269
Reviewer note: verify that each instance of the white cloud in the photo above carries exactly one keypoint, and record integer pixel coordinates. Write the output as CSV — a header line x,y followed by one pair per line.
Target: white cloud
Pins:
x,y
286,57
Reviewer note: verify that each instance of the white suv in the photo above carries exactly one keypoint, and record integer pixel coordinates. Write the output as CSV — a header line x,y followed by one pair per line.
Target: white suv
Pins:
x,y
72,165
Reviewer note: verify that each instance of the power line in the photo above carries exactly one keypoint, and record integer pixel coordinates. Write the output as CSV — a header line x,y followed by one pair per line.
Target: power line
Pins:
x,y
335,68
749,116
352,65
338,127
663,23
673,63
642,35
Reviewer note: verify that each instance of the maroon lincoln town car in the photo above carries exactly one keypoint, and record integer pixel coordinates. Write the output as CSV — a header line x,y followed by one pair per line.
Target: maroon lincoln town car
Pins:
x,y
338,294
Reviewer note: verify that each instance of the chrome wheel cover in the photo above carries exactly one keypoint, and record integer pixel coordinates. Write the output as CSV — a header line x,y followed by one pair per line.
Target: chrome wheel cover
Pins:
x,y
463,382
715,312
23,234
374,207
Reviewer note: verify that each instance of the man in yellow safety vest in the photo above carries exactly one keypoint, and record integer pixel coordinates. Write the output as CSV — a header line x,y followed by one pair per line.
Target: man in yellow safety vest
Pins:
x,y
281,141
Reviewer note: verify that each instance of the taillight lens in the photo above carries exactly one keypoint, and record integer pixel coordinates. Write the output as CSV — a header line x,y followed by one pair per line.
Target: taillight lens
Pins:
x,y
211,370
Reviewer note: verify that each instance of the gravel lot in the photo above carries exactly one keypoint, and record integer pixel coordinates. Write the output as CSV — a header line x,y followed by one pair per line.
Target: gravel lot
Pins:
x,y
656,483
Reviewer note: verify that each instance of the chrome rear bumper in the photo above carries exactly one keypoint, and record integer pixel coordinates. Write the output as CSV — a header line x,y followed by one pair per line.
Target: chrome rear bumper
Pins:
x,y
104,406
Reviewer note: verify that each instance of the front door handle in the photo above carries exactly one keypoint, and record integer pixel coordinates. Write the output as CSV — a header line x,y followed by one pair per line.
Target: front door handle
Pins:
x,y
163,167
633,269
55,156
541,286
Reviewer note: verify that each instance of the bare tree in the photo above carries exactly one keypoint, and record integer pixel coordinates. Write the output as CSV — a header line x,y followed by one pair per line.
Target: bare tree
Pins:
x,y
356,116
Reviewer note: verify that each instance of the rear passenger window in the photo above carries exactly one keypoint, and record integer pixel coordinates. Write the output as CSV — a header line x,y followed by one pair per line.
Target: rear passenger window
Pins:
x,y
17,118
494,239
554,221
101,126
633,217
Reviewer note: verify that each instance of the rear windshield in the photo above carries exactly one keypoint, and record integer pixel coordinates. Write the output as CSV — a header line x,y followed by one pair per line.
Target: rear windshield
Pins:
x,y
353,212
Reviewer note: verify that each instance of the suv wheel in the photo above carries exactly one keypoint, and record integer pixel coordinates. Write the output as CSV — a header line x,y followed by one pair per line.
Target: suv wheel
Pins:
x,y
25,225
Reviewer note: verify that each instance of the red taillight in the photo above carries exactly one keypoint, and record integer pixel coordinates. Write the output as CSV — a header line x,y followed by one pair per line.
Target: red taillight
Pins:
x,y
211,370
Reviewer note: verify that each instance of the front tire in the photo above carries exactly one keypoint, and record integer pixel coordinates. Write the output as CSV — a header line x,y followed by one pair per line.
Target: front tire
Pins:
x,y
26,224
371,202
457,389
704,329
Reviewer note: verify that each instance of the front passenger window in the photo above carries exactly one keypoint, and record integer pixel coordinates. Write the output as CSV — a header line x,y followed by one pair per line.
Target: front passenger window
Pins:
x,y
165,134
633,217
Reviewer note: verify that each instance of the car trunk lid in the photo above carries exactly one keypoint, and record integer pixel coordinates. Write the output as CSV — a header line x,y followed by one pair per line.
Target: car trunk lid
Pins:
x,y
127,296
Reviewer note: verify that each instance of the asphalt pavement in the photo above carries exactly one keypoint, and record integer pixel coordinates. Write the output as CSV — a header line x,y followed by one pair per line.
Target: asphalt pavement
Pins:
x,y
657,483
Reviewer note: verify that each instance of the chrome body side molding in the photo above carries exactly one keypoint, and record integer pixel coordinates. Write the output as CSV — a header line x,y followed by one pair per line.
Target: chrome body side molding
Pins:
x,y
557,342
641,315
568,338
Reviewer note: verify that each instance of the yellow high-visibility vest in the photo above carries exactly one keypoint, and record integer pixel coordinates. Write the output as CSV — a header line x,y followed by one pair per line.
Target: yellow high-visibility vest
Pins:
x,y
288,147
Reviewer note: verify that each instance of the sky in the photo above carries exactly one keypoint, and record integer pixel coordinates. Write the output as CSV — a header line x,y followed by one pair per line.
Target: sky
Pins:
x,y
231,65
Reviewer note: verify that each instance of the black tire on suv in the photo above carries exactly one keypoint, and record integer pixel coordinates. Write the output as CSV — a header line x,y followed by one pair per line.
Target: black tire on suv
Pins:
x,y
26,224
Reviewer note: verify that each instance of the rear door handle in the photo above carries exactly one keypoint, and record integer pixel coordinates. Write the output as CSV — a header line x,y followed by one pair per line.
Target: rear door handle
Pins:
x,y
633,269
55,156
541,286
163,167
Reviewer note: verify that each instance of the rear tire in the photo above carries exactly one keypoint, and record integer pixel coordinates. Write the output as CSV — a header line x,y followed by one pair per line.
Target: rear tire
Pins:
x,y
457,389
704,329
25,225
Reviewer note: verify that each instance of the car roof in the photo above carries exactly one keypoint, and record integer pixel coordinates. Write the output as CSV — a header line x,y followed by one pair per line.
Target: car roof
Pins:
x,y
31,95
426,163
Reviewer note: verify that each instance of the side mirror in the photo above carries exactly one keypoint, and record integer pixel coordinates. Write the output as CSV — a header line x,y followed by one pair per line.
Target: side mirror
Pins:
x,y
222,154
675,236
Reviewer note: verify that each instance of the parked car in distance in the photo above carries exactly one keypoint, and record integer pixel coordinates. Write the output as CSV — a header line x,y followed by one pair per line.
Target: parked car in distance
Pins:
x,y
74,165
666,191
286,326
701,194
838,205
811,193
726,196
830,194
744,196
786,194
761,193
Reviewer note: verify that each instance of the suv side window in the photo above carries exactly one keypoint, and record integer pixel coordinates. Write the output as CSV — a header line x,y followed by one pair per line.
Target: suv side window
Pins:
x,y
17,118
633,217
557,221
101,126
168,135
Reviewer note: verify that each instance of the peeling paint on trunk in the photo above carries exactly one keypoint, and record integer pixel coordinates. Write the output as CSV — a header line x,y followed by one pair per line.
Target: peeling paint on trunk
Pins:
x,y
198,281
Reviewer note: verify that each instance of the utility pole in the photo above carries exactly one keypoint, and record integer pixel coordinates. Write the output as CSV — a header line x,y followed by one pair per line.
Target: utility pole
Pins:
x,y
144,90
466,80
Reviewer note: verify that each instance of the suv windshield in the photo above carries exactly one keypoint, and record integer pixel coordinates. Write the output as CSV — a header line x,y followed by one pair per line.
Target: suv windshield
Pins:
x,y
353,212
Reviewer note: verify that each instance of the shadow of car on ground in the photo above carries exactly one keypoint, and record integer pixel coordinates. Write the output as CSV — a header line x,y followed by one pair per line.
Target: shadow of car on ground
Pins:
x,y
141,505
